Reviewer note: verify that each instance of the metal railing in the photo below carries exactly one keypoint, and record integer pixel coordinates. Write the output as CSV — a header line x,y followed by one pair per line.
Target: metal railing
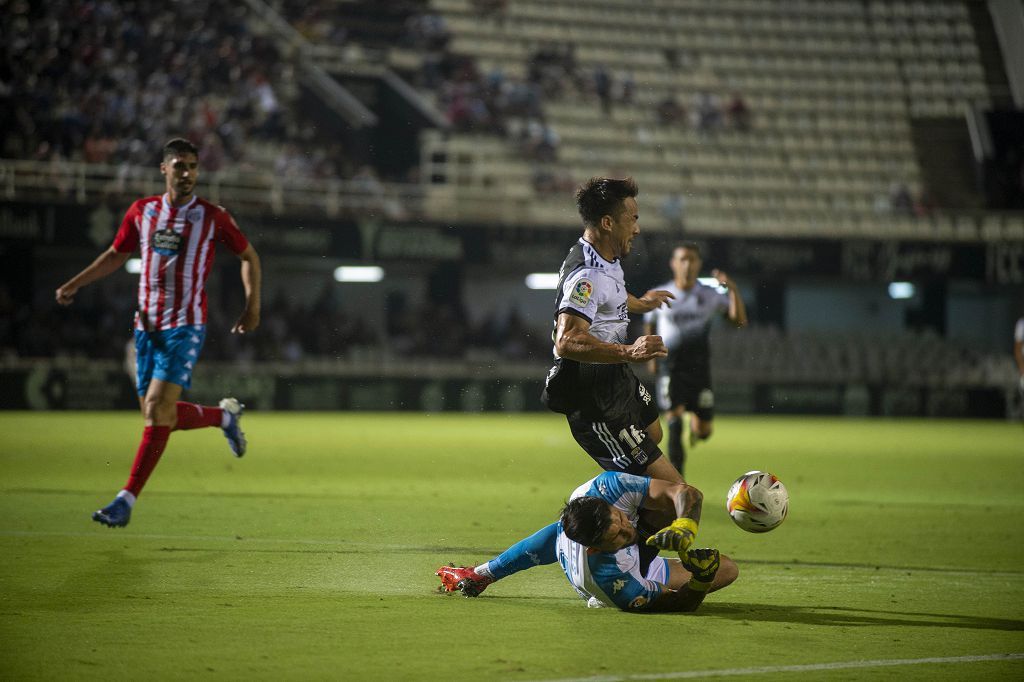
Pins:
x,y
86,183
449,194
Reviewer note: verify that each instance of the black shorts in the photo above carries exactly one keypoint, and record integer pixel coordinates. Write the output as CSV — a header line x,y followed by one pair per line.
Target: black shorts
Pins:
x,y
619,443
693,392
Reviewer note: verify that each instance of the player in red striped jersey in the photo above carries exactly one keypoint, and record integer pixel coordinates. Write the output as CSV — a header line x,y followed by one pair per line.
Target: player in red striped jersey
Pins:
x,y
176,234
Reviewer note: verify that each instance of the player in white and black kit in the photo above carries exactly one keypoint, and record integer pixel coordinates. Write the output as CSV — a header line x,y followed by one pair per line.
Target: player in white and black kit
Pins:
x,y
1018,355
610,413
684,376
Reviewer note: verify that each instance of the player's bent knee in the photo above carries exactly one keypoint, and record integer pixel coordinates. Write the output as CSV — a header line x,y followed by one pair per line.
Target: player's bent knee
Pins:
x,y
728,571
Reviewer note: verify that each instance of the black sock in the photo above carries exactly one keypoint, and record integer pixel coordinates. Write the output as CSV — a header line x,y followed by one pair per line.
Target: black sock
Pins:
x,y
676,453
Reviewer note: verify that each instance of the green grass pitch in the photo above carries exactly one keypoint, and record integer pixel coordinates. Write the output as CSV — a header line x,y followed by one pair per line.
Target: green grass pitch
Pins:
x,y
313,557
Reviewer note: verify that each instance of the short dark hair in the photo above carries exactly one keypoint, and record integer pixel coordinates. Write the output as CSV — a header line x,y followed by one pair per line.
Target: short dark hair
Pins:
x,y
585,520
689,246
179,146
598,197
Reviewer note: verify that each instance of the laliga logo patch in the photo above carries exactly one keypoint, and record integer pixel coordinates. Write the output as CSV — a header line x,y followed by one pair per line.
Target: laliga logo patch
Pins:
x,y
638,455
645,395
581,292
638,602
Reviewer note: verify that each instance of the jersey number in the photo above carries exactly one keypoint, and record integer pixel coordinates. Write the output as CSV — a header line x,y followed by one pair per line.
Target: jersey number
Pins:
x,y
631,436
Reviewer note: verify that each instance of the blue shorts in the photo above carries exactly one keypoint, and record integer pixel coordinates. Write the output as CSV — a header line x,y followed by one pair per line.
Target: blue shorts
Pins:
x,y
169,355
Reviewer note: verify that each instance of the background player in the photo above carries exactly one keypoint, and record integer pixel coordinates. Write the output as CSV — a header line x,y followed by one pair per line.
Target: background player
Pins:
x,y
1018,355
684,376
610,413
600,545
176,233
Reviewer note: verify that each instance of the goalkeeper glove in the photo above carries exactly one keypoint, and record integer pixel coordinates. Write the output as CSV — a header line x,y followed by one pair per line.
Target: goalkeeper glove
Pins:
x,y
703,564
679,536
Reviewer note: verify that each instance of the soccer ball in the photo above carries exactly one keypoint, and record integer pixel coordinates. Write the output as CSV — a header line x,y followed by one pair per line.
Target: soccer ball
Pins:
x,y
757,502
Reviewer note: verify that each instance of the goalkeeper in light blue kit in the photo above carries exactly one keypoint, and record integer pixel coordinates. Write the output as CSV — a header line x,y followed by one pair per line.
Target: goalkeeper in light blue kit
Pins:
x,y
606,552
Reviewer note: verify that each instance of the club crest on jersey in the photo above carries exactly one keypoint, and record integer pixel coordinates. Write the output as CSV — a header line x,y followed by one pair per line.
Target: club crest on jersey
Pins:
x,y
166,242
193,215
581,292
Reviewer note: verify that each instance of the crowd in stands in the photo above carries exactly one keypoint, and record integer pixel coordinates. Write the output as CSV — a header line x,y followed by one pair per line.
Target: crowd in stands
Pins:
x,y
903,201
110,82
494,102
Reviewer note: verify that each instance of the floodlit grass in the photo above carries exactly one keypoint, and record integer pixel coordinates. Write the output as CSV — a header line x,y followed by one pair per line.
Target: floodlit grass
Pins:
x,y
313,556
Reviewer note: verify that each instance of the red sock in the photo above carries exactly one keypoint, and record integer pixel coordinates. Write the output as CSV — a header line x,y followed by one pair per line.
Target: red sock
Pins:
x,y
154,440
192,416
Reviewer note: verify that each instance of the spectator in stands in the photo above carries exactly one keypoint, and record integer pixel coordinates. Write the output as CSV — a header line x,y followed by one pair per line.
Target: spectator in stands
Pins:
x,y
671,57
603,85
670,112
708,113
428,30
627,94
739,113
900,199
540,141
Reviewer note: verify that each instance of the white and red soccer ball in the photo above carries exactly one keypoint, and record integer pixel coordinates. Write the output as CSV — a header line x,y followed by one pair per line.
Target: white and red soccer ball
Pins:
x,y
757,502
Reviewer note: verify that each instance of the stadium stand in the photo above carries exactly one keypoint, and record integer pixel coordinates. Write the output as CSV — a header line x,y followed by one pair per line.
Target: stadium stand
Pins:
x,y
107,83
829,91
739,118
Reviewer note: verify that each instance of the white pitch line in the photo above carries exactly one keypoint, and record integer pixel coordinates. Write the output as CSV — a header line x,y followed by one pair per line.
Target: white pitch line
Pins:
x,y
811,667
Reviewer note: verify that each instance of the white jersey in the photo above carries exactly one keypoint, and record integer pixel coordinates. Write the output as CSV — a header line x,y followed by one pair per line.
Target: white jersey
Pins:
x,y
607,578
595,289
687,320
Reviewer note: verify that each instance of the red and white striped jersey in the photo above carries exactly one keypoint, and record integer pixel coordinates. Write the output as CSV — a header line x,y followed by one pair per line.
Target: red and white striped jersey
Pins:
x,y
176,246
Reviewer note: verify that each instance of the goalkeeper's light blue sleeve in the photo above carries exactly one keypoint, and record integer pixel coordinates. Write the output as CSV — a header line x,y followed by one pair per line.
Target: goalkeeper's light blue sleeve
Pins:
x,y
536,550
624,491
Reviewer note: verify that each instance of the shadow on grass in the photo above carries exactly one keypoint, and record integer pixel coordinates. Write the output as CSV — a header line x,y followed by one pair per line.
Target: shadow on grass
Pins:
x,y
846,616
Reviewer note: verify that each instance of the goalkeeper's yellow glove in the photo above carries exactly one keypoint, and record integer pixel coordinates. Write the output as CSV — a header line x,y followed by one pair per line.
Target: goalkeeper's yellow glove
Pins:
x,y
679,536
703,564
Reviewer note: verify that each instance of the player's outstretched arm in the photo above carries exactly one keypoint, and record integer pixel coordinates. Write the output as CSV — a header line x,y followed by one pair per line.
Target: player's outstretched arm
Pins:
x,y
574,341
737,313
252,276
680,500
652,300
106,263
